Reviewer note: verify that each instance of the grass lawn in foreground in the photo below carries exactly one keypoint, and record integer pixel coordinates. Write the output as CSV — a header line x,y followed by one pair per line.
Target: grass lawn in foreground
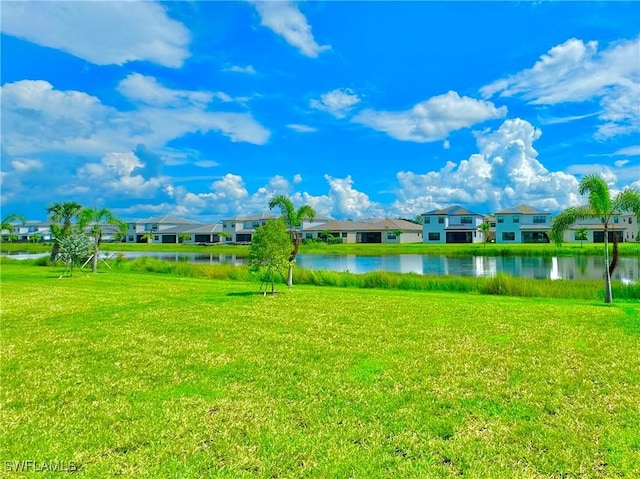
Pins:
x,y
144,375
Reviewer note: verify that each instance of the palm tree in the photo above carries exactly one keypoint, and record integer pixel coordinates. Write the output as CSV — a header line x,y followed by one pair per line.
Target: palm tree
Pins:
x,y
582,234
61,215
293,221
8,223
95,219
485,227
602,207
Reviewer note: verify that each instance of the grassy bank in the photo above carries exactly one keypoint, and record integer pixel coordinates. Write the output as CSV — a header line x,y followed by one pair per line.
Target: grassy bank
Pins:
x,y
501,284
547,250
145,375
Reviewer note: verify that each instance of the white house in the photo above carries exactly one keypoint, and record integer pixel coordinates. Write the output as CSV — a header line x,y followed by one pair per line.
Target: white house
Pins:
x,y
623,225
454,224
522,224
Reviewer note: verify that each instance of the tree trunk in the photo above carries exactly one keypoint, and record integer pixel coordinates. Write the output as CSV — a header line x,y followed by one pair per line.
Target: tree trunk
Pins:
x,y
94,266
608,296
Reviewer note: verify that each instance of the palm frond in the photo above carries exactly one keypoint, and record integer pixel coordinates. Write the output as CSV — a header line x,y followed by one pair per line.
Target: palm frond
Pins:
x,y
564,220
599,196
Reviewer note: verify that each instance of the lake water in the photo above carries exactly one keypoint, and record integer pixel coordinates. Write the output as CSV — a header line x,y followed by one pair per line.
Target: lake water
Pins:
x,y
564,267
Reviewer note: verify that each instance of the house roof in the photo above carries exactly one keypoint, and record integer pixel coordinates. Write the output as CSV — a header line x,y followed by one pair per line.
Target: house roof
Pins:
x,y
206,229
341,225
398,224
166,220
455,210
258,216
523,210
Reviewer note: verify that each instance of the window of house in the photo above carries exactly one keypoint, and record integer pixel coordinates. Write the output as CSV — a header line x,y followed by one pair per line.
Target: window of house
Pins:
x,y
130,238
466,220
427,220
630,221
344,234
616,219
441,220
434,236
256,224
308,235
391,236
492,224
156,238
539,220
500,219
516,219
508,236
154,227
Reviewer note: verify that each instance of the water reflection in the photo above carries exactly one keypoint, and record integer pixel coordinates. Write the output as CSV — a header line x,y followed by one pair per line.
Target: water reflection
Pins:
x,y
579,267
569,267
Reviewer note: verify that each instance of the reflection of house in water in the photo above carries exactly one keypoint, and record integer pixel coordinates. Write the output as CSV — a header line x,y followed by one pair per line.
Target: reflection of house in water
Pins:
x,y
592,267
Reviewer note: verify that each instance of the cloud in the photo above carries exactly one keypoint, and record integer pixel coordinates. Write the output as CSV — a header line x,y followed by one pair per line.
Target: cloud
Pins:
x,y
431,120
337,102
240,69
147,90
301,128
504,173
575,71
118,174
38,118
27,165
349,202
621,163
286,20
102,33
629,151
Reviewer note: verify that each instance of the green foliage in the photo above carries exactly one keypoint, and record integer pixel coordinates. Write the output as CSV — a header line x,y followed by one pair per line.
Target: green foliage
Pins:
x,y
600,206
270,250
74,249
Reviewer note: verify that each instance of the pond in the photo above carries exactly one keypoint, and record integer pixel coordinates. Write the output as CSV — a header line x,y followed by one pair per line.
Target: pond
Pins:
x,y
565,267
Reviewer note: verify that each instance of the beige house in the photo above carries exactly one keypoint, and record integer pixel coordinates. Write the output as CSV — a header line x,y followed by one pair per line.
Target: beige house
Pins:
x,y
372,231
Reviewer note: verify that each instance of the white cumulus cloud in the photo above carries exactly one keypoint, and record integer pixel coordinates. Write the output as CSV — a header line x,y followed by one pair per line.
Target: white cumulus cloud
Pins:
x,y
337,102
102,33
505,172
433,119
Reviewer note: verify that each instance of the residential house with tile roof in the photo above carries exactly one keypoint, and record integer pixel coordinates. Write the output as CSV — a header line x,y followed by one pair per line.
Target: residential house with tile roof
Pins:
x,y
454,224
522,224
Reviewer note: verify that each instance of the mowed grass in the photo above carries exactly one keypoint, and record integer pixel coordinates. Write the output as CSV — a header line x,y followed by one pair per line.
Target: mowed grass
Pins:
x,y
136,374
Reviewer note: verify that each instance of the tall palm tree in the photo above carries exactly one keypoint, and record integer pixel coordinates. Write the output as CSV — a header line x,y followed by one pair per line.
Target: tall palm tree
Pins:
x,y
61,215
582,234
95,219
603,207
9,220
293,219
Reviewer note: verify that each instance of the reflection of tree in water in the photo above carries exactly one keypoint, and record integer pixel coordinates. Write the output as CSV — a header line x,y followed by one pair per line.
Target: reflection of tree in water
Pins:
x,y
582,264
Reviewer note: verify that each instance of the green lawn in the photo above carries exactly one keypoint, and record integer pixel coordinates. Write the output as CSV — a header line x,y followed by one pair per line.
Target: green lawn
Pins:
x,y
145,375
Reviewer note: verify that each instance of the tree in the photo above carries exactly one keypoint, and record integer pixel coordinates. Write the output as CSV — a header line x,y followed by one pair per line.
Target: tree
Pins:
x,y
293,221
270,251
36,237
74,249
184,237
148,236
582,234
8,224
485,227
61,215
224,234
603,207
95,219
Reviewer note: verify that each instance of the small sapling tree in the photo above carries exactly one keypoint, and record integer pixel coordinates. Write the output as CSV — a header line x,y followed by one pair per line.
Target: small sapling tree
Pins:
x,y
270,251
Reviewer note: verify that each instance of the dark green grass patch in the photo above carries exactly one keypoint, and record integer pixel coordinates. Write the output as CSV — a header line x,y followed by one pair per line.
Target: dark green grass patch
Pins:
x,y
133,374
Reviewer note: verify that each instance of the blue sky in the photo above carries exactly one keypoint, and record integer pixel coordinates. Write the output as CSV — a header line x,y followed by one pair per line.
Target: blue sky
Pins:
x,y
360,109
